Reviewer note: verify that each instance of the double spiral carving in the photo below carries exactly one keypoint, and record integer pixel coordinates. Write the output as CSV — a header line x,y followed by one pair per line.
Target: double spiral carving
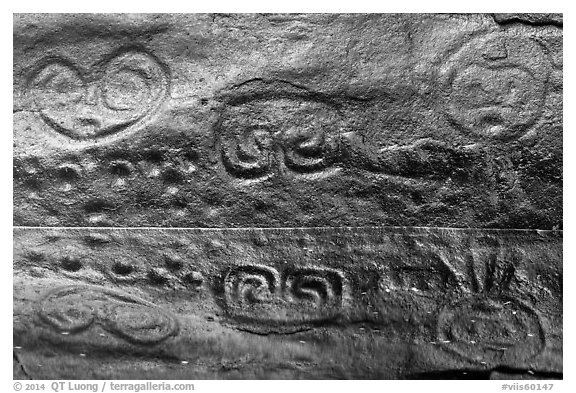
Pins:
x,y
261,137
297,296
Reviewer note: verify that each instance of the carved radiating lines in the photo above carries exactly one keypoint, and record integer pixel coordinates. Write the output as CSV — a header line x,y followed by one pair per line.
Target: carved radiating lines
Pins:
x,y
489,325
475,315
470,296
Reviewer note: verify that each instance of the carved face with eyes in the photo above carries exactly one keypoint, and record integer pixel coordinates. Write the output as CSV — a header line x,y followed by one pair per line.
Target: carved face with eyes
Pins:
x,y
118,95
495,85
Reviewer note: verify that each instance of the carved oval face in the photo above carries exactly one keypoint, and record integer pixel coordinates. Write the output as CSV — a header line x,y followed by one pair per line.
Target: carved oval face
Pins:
x,y
496,331
115,96
74,309
139,323
66,311
494,86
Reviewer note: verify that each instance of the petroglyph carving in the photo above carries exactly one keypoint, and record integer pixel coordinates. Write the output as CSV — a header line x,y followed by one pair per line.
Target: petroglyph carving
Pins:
x,y
427,273
74,309
494,85
262,295
493,330
247,285
319,287
261,135
115,96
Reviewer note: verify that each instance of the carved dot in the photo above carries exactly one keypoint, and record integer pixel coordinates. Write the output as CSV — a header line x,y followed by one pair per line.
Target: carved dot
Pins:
x,y
172,175
195,278
35,256
122,269
173,262
33,184
260,241
72,264
28,173
98,206
192,155
156,278
69,172
154,156
176,243
25,168
120,168
180,203
97,239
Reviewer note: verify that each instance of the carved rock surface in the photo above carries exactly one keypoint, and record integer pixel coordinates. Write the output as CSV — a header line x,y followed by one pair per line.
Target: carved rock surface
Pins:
x,y
288,120
287,303
302,196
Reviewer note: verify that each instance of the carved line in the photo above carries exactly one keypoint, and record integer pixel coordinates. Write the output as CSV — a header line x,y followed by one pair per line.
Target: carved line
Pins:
x,y
93,117
477,315
318,294
74,309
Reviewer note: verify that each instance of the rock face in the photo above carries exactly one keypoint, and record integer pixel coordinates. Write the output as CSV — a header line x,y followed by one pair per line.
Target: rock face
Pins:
x,y
303,150
287,120
287,303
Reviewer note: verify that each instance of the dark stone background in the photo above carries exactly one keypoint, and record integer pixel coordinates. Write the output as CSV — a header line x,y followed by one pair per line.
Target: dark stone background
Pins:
x,y
248,132
293,120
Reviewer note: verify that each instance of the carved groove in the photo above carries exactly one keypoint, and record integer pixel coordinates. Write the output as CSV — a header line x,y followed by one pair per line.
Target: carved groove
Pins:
x,y
75,309
116,96
254,295
495,331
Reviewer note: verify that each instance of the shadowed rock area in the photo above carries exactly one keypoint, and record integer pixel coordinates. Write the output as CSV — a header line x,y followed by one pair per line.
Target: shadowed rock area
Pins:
x,y
287,303
287,196
287,121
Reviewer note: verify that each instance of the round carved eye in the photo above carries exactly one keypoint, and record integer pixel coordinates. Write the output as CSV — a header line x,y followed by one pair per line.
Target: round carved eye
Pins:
x,y
125,90
57,84
132,82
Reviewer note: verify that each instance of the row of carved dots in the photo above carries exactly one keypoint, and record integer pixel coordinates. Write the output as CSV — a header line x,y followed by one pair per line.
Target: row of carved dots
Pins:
x,y
155,276
172,162
120,169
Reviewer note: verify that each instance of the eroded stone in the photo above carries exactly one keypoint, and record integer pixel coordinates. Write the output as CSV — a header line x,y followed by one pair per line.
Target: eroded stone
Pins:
x,y
317,302
287,121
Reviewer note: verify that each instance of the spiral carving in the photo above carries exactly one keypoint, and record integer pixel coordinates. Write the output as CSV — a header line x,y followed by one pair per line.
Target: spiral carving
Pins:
x,y
258,137
67,311
308,150
247,154
262,298
249,285
75,309
318,287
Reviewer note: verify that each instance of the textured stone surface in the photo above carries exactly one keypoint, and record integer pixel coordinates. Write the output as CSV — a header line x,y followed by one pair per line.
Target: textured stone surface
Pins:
x,y
288,120
287,303
309,183
533,19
